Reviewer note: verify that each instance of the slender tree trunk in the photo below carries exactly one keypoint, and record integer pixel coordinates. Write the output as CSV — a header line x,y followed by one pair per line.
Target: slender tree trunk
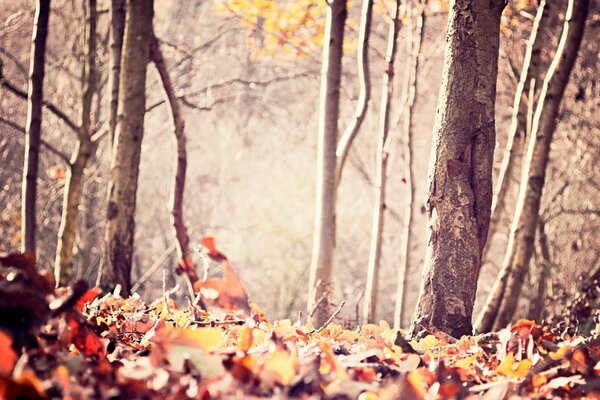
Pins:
x,y
460,178
515,146
373,267
67,233
183,241
125,159
364,79
320,284
33,125
117,28
536,306
507,288
410,213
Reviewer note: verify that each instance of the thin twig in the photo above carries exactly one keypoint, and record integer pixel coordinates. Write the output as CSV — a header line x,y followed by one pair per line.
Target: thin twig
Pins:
x,y
335,313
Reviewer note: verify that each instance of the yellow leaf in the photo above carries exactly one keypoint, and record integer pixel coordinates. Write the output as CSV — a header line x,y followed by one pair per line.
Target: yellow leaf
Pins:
x,y
516,369
283,364
561,353
466,363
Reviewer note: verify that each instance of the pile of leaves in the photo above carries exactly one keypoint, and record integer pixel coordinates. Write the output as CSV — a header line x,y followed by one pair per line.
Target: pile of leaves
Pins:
x,y
75,344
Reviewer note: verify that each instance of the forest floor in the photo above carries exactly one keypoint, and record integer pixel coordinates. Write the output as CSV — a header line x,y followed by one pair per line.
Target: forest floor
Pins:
x,y
72,343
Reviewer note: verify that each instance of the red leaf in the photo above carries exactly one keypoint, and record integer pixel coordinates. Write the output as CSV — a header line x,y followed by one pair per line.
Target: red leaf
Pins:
x,y
87,297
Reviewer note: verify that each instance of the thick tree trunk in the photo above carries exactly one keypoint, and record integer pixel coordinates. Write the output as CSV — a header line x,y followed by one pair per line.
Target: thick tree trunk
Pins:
x,y
529,83
320,284
117,28
507,288
364,79
373,267
460,177
411,210
183,241
33,125
67,233
536,305
125,159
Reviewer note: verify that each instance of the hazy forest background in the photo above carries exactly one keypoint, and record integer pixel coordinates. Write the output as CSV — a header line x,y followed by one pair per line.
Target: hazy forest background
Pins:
x,y
248,85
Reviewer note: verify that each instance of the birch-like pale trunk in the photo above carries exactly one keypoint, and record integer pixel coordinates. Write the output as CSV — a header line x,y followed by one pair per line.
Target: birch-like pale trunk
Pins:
x,y
320,281
33,126
409,239
381,156
73,191
125,158
505,295
179,228
460,174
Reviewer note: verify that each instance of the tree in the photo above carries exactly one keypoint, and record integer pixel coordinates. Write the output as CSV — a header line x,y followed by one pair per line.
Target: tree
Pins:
x,y
460,177
527,90
67,233
183,240
373,267
329,104
409,239
34,125
125,158
503,299
117,28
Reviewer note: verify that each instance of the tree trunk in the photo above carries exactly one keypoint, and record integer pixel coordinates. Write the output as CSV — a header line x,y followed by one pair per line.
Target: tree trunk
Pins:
x,y
381,155
364,79
117,28
125,158
529,83
33,125
507,288
67,233
460,177
536,306
183,241
410,213
320,285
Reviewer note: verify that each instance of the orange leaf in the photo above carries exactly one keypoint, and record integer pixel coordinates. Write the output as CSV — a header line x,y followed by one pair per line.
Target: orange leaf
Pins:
x,y
8,356
245,339
87,297
282,363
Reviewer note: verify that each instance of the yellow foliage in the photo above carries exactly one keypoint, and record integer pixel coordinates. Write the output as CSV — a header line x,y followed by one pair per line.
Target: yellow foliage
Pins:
x,y
516,369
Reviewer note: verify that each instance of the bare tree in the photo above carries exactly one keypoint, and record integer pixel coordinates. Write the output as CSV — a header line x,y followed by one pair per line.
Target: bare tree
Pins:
x,y
183,240
34,124
503,299
324,234
117,28
373,267
460,177
125,158
528,87
409,239
67,233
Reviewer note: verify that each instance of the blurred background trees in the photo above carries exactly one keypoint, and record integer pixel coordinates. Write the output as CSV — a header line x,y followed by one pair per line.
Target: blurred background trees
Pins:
x,y
246,76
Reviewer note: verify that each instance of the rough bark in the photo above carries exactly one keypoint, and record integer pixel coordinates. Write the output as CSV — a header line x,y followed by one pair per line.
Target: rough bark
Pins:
x,y
33,125
125,158
67,233
507,289
411,211
381,156
460,177
320,284
527,88
364,80
117,28
183,240
536,305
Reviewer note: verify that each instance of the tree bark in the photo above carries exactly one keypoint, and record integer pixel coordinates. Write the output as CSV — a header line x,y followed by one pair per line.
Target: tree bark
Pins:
x,y
460,177
507,288
364,79
125,158
411,210
33,125
320,284
67,233
117,28
511,163
381,155
183,241
536,305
